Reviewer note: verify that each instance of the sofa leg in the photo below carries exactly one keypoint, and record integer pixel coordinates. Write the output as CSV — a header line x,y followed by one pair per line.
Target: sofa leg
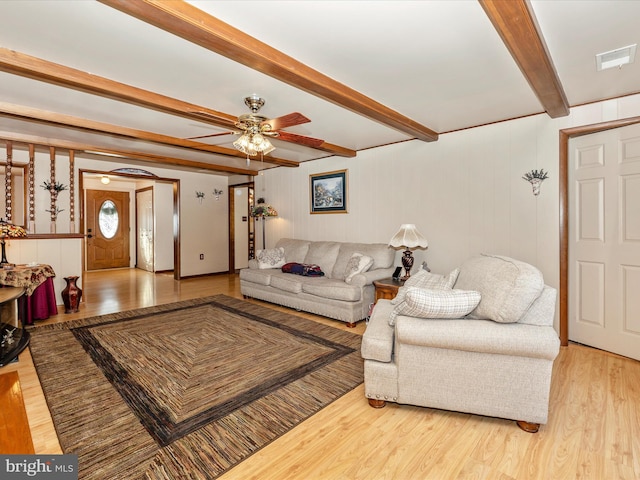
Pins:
x,y
528,426
351,324
375,403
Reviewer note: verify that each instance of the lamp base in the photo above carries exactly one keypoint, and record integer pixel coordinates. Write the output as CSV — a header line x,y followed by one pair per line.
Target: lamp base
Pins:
x,y
407,263
4,260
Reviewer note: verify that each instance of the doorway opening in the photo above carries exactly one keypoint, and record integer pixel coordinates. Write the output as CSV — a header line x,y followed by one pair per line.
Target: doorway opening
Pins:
x,y
111,210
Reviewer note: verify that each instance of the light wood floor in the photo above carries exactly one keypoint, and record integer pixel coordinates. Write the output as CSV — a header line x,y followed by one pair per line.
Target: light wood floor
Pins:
x,y
593,430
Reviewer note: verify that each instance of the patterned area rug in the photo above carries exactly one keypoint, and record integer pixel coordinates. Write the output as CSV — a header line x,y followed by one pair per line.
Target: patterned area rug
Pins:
x,y
187,390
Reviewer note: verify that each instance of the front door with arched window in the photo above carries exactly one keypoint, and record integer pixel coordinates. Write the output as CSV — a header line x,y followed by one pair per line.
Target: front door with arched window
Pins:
x,y
107,229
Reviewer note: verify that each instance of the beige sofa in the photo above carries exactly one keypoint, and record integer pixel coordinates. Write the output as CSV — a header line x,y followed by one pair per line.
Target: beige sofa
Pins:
x,y
496,361
332,295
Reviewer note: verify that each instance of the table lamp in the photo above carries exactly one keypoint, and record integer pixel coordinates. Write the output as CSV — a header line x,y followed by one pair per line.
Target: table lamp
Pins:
x,y
408,237
8,230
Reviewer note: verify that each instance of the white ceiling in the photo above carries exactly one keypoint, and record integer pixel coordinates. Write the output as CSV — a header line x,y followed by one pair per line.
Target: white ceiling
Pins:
x,y
440,63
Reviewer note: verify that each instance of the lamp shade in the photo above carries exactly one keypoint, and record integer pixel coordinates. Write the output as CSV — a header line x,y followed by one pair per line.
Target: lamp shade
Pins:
x,y
10,230
408,237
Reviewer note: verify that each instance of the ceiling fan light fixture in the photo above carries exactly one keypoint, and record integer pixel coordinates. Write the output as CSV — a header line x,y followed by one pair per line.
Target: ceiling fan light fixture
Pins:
x,y
252,144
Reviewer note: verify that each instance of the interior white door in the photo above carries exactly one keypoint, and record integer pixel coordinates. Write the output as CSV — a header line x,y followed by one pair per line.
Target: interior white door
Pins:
x,y
241,227
604,241
144,230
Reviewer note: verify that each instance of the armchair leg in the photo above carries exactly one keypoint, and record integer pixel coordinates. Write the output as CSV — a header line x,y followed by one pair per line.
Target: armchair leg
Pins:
x,y
375,403
528,426
351,325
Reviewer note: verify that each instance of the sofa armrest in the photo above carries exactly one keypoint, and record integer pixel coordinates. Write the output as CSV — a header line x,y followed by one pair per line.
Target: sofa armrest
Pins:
x,y
253,263
367,278
377,340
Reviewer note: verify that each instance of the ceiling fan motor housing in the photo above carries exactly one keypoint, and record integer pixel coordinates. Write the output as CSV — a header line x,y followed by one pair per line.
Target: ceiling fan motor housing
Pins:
x,y
254,102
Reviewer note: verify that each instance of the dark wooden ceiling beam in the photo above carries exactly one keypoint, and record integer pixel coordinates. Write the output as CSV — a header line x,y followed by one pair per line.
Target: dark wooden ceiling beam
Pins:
x,y
517,26
147,157
63,120
194,25
42,70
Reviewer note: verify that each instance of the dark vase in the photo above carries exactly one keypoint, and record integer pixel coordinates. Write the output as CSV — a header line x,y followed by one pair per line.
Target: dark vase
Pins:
x,y
71,295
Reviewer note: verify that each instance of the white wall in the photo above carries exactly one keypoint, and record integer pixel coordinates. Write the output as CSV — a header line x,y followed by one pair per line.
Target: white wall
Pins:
x,y
60,253
464,192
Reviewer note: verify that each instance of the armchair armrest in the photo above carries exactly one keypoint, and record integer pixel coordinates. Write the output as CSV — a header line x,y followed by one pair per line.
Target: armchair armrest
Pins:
x,y
377,341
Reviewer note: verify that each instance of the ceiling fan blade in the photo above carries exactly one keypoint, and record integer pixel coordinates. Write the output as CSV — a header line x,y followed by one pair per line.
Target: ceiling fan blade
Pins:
x,y
285,121
299,139
211,135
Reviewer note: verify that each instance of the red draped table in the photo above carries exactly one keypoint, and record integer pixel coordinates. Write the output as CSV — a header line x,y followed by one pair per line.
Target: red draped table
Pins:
x,y
39,300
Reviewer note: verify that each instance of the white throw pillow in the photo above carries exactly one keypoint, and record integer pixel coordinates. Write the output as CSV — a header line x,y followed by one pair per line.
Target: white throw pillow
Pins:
x,y
358,263
270,258
428,280
423,303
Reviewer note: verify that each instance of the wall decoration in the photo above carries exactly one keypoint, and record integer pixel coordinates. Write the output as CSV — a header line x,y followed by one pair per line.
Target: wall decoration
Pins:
x,y
54,189
32,189
199,196
328,192
72,215
8,179
535,178
217,193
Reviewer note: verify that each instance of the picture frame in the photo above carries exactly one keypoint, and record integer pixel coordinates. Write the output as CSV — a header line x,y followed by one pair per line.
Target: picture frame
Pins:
x,y
328,192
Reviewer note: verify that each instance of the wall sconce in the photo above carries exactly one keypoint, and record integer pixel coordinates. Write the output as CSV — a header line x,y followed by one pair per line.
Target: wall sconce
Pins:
x,y
105,180
217,193
535,178
199,196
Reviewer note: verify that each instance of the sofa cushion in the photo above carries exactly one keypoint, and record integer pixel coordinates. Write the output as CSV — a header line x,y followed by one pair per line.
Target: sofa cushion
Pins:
x,y
323,254
382,256
333,289
294,250
358,263
288,283
428,280
508,287
423,303
261,277
270,258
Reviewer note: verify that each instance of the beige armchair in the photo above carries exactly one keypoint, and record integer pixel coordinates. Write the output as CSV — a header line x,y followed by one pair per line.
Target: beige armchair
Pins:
x,y
497,361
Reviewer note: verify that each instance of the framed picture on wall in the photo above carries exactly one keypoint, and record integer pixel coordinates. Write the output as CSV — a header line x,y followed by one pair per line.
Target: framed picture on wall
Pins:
x,y
328,192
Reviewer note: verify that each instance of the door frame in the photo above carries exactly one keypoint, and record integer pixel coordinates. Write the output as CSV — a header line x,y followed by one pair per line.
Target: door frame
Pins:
x,y
176,210
563,178
232,226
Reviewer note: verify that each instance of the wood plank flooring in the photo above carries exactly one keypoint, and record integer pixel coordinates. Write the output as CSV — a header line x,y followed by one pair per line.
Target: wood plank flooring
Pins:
x,y
593,430
15,435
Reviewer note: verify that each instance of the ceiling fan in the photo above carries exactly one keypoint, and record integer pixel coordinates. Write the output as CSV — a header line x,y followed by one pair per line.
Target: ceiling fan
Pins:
x,y
253,129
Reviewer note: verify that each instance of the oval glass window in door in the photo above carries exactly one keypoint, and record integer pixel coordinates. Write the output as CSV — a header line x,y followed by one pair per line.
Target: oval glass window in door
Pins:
x,y
108,219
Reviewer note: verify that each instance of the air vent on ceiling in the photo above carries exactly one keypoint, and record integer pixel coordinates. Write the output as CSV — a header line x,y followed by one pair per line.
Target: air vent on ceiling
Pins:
x,y
616,58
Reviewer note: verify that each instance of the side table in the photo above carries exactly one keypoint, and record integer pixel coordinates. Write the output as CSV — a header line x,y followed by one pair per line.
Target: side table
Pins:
x,y
387,288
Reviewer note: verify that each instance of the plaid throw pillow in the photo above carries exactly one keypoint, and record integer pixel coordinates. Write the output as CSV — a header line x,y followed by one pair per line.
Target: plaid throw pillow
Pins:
x,y
428,280
424,303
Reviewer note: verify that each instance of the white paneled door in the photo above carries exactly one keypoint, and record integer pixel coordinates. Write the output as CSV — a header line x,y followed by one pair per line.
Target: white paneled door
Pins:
x,y
145,239
604,241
